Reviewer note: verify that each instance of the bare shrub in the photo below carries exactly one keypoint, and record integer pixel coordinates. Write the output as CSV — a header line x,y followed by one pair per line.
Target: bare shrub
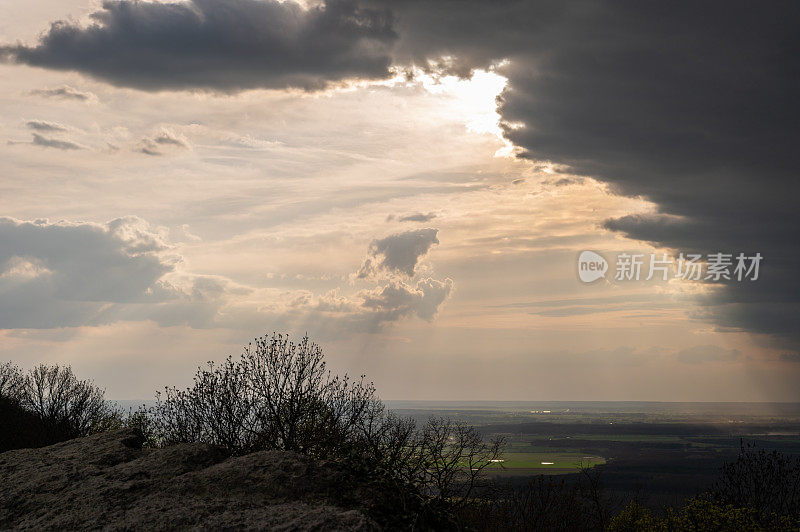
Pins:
x,y
575,503
390,441
599,505
277,395
217,409
544,503
72,406
47,405
11,381
453,456
767,483
300,406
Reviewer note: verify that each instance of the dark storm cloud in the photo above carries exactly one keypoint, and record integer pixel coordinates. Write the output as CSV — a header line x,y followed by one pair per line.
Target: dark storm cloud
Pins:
x,y
228,46
692,106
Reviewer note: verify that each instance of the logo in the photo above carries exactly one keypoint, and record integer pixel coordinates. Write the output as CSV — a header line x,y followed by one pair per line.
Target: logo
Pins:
x,y
591,266
716,267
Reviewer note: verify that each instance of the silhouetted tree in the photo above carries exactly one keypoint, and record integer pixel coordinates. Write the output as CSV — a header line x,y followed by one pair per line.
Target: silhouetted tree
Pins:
x,y
545,503
279,396
47,405
11,381
766,482
453,456
300,406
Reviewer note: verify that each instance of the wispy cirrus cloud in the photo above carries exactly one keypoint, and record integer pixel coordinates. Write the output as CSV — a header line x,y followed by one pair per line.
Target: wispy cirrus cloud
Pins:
x,y
163,142
65,92
44,125
47,142
417,217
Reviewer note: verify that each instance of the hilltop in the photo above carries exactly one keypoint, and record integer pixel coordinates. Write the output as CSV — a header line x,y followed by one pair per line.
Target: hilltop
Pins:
x,y
109,481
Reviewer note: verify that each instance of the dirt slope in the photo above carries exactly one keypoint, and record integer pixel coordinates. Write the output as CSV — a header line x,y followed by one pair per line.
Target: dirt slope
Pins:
x,y
108,481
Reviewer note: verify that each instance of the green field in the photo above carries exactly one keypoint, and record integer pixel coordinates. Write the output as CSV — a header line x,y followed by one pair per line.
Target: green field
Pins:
x,y
543,462
624,437
668,449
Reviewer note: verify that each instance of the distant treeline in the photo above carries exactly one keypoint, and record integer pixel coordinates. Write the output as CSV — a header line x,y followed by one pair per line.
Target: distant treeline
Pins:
x,y
639,429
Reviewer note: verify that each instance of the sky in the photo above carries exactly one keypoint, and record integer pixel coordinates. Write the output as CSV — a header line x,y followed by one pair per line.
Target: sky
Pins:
x,y
409,183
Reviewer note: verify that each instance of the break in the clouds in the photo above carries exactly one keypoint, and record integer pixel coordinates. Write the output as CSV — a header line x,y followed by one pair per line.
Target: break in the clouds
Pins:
x,y
227,46
693,109
398,253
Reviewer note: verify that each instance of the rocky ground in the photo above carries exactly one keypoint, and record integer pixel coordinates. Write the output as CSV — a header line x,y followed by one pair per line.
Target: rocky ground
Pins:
x,y
108,481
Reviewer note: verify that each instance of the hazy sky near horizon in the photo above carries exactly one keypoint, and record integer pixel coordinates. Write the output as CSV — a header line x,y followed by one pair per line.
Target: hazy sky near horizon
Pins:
x,y
177,178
